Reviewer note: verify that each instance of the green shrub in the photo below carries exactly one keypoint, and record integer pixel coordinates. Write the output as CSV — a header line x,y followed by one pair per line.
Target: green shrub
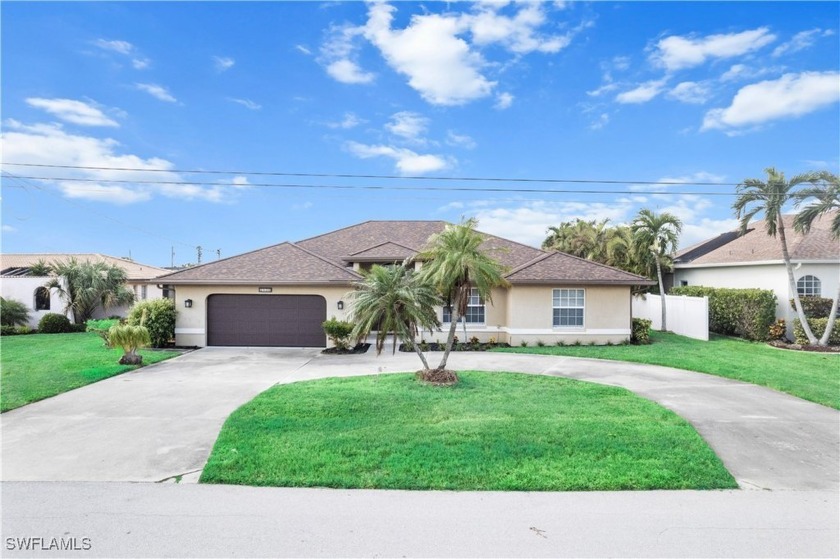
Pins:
x,y
540,343
640,332
6,330
523,343
818,328
13,312
814,307
54,323
102,327
130,338
339,332
160,319
77,328
747,313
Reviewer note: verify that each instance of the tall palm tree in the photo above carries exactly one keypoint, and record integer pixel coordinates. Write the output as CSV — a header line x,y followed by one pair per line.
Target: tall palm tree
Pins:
x,y
656,235
392,300
453,263
825,191
85,286
756,196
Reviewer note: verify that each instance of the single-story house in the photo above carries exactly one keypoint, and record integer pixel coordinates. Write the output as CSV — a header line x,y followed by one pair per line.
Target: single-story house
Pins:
x,y
754,260
16,282
280,295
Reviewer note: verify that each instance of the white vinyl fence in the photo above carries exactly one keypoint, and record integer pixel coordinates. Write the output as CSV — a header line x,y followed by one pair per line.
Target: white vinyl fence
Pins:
x,y
687,316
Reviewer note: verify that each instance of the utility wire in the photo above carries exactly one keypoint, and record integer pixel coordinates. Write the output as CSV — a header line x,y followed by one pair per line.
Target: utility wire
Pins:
x,y
388,177
384,187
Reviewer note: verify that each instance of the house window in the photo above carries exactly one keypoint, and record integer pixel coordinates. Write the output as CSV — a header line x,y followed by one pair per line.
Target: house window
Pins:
x,y
144,292
809,286
568,306
42,299
475,309
683,283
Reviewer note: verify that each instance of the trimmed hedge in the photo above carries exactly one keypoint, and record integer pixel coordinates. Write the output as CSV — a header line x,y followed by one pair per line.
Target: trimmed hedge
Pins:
x,y
54,323
814,307
640,333
338,331
746,313
160,319
818,328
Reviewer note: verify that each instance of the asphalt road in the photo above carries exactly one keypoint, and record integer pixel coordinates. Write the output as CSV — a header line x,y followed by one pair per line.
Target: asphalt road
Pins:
x,y
169,520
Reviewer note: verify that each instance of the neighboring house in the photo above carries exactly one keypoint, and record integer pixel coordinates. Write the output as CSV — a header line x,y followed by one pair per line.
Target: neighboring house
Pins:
x,y
280,295
16,283
754,259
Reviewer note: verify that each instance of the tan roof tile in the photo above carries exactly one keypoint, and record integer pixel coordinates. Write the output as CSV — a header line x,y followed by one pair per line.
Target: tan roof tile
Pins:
x,y
382,252
561,268
134,270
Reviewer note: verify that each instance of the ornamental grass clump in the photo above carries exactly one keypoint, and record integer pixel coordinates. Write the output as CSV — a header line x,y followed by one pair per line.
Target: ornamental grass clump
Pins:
x,y
130,338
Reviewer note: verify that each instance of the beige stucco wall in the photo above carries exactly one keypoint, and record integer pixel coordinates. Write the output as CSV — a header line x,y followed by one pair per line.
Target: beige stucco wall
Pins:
x,y
495,321
607,315
191,324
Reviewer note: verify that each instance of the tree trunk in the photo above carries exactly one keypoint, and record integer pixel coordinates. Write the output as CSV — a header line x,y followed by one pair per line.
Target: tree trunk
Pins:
x,y
792,284
453,326
832,317
661,294
419,353
131,358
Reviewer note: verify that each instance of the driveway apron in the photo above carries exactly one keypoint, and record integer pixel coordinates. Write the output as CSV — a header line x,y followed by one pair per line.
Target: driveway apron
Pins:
x,y
161,421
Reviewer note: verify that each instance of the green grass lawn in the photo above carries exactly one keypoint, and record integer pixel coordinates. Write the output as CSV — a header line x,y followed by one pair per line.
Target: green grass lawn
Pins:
x,y
38,366
811,376
492,431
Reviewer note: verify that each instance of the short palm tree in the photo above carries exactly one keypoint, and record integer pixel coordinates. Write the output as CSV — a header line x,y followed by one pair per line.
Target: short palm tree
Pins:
x,y
86,286
656,235
825,196
393,301
768,197
130,339
453,263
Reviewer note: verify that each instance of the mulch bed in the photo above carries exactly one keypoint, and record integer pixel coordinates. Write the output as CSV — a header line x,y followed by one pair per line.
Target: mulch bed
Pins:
x,y
799,347
359,348
434,346
438,377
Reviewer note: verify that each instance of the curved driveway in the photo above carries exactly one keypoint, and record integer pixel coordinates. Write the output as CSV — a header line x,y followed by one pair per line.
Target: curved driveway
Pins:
x,y
161,421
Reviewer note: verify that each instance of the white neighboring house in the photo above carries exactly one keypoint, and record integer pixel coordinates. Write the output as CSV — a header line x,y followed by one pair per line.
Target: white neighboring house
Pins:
x,y
15,283
754,260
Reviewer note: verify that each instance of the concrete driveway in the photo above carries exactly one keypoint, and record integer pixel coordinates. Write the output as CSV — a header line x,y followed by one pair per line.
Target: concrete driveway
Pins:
x,y
161,421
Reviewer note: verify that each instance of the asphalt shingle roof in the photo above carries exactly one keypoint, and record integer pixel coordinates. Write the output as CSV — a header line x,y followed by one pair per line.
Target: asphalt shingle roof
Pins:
x,y
562,268
757,246
134,270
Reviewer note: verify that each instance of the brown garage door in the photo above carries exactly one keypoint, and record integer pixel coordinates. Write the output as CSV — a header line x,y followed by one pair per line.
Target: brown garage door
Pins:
x,y
266,320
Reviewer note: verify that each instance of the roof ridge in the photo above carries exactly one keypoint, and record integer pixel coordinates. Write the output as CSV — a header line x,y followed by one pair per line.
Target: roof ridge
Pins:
x,y
380,244
223,259
334,231
530,263
587,261
327,260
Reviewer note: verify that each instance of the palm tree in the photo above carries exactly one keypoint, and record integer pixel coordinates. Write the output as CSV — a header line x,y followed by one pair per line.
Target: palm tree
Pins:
x,y
657,235
85,286
453,263
826,194
769,197
392,300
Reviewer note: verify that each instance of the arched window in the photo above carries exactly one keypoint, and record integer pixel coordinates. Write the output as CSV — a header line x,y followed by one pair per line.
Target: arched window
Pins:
x,y
809,286
42,299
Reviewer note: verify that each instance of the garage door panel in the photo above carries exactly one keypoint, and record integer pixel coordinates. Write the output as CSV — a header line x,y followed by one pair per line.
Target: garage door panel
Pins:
x,y
266,320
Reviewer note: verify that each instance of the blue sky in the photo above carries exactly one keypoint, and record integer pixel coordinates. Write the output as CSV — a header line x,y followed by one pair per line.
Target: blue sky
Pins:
x,y
678,92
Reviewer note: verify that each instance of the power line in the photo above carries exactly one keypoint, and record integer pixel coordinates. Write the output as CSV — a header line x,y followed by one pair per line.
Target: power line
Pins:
x,y
382,187
386,177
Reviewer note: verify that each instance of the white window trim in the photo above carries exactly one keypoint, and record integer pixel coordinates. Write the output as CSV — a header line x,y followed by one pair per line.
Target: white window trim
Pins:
x,y
463,318
818,280
568,328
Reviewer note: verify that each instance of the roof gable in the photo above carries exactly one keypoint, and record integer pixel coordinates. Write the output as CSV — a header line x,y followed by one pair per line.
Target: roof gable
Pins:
x,y
562,268
283,263
388,251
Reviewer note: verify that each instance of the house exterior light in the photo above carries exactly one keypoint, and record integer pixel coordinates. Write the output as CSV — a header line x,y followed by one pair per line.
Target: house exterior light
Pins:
x,y
188,303
341,305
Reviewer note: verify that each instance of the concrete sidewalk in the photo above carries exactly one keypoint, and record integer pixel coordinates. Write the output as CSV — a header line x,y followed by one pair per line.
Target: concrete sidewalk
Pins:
x,y
161,421
165,520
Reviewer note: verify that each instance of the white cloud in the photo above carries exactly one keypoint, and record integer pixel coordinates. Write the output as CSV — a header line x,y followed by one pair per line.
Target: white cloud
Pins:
x,y
50,144
247,103
223,63
240,181
347,71
678,52
603,120
691,92
9,229
303,49
350,120
791,95
739,72
459,140
140,63
408,125
801,41
642,93
503,101
517,33
302,206
70,110
121,47
406,161
156,91
606,88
